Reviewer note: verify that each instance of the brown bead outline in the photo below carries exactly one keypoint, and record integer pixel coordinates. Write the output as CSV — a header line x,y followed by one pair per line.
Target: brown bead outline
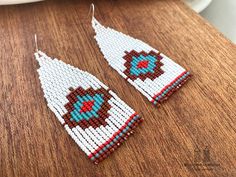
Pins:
x,y
94,121
157,70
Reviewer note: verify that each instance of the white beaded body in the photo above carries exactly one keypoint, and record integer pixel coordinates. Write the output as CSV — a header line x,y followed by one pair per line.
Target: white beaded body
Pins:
x,y
96,140
115,46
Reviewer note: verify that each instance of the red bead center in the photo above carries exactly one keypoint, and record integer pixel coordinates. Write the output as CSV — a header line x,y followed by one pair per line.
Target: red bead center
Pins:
x,y
87,106
143,64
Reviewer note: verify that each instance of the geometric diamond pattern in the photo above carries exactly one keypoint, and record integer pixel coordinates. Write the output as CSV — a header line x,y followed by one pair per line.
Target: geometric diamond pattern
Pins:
x,y
143,65
87,108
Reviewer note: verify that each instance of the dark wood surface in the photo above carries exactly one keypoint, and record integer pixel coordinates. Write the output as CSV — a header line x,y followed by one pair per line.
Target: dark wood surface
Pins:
x,y
202,113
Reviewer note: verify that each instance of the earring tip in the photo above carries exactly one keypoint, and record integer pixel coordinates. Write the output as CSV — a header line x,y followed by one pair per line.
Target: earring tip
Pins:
x,y
36,42
92,8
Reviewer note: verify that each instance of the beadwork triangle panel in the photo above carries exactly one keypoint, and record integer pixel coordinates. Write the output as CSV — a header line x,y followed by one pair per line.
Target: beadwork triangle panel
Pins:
x,y
152,73
93,115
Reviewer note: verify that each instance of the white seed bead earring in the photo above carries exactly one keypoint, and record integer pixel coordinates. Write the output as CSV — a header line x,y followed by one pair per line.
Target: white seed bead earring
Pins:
x,y
93,115
152,73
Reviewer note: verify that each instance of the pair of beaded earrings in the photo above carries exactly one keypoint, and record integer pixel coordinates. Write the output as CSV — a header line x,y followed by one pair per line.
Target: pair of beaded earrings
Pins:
x,y
92,114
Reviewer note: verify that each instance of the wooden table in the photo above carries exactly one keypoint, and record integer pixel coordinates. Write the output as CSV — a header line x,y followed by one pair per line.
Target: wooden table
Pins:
x,y
200,115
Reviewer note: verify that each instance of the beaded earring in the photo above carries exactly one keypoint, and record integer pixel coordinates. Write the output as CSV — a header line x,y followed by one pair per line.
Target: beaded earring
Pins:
x,y
93,115
152,73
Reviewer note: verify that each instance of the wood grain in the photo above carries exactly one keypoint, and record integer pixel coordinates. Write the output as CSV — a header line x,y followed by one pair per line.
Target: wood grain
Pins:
x,y
202,113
